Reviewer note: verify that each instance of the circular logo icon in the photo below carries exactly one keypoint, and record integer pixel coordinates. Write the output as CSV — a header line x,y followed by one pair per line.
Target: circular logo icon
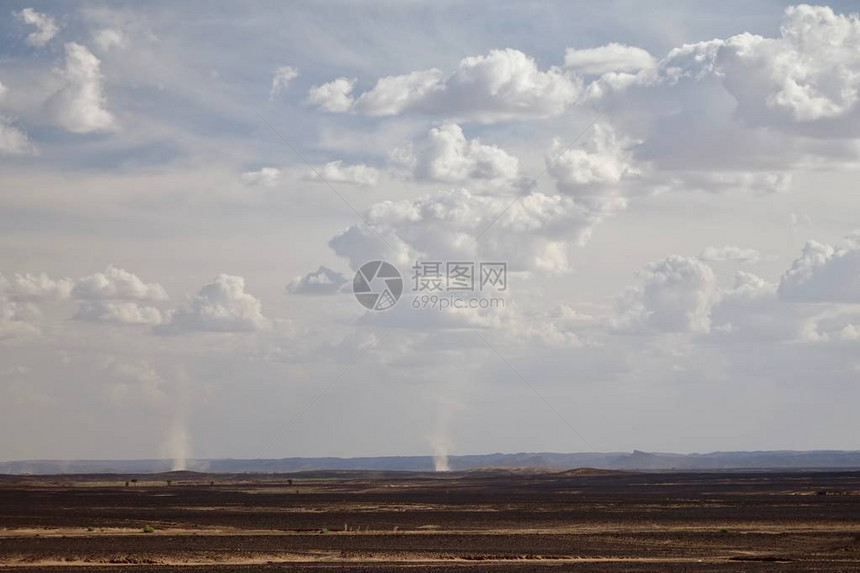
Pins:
x,y
377,285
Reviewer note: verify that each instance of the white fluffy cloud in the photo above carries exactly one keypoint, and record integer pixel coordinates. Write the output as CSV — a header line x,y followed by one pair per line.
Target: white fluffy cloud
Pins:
x,y
595,167
46,27
612,57
447,156
393,94
338,172
108,39
824,273
13,141
811,72
535,233
79,104
752,311
220,306
118,312
116,283
323,281
503,84
30,287
729,253
15,319
265,176
672,295
334,96
281,79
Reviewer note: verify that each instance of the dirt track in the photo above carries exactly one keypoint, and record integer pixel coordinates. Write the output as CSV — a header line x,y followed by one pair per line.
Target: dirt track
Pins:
x,y
433,522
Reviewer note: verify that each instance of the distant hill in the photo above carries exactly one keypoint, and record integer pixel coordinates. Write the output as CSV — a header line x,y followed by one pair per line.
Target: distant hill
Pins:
x,y
811,460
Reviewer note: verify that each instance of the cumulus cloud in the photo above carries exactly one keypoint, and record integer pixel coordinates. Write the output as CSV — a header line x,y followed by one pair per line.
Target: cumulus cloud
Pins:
x,y
811,72
334,97
79,105
281,79
108,39
265,177
338,172
121,312
13,141
595,167
751,310
729,253
824,273
15,319
447,156
45,26
116,283
393,94
672,295
612,57
30,287
220,306
535,233
503,84
323,281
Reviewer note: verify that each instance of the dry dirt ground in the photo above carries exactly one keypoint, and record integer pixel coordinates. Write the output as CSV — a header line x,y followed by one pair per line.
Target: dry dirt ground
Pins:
x,y
475,521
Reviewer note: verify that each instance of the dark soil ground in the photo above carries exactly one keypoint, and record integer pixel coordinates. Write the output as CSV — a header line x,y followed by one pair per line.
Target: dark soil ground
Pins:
x,y
480,521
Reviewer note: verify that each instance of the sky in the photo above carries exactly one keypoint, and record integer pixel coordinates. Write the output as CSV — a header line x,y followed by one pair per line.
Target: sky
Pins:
x,y
187,191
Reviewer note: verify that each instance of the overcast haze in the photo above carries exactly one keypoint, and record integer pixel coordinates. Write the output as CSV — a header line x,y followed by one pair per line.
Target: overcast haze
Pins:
x,y
683,274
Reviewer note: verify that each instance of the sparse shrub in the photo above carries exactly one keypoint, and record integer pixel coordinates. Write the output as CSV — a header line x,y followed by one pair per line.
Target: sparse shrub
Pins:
x,y
148,529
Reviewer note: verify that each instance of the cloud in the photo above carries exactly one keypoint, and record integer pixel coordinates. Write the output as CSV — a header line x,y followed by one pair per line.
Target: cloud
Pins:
x,y
729,253
127,312
612,57
808,76
337,172
29,287
447,156
265,176
46,27
393,94
220,306
15,319
116,283
761,183
13,141
824,273
595,167
533,233
672,295
752,311
108,39
281,79
333,97
811,72
79,105
501,85
323,281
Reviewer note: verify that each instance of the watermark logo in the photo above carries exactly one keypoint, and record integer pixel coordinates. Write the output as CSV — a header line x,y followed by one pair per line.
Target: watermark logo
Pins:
x,y
439,285
377,285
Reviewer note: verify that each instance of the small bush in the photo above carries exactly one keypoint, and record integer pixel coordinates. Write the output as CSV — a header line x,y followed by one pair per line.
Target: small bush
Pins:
x,y
148,529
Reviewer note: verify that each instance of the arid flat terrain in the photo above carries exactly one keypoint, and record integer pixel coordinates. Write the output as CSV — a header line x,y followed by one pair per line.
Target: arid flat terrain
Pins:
x,y
476,521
